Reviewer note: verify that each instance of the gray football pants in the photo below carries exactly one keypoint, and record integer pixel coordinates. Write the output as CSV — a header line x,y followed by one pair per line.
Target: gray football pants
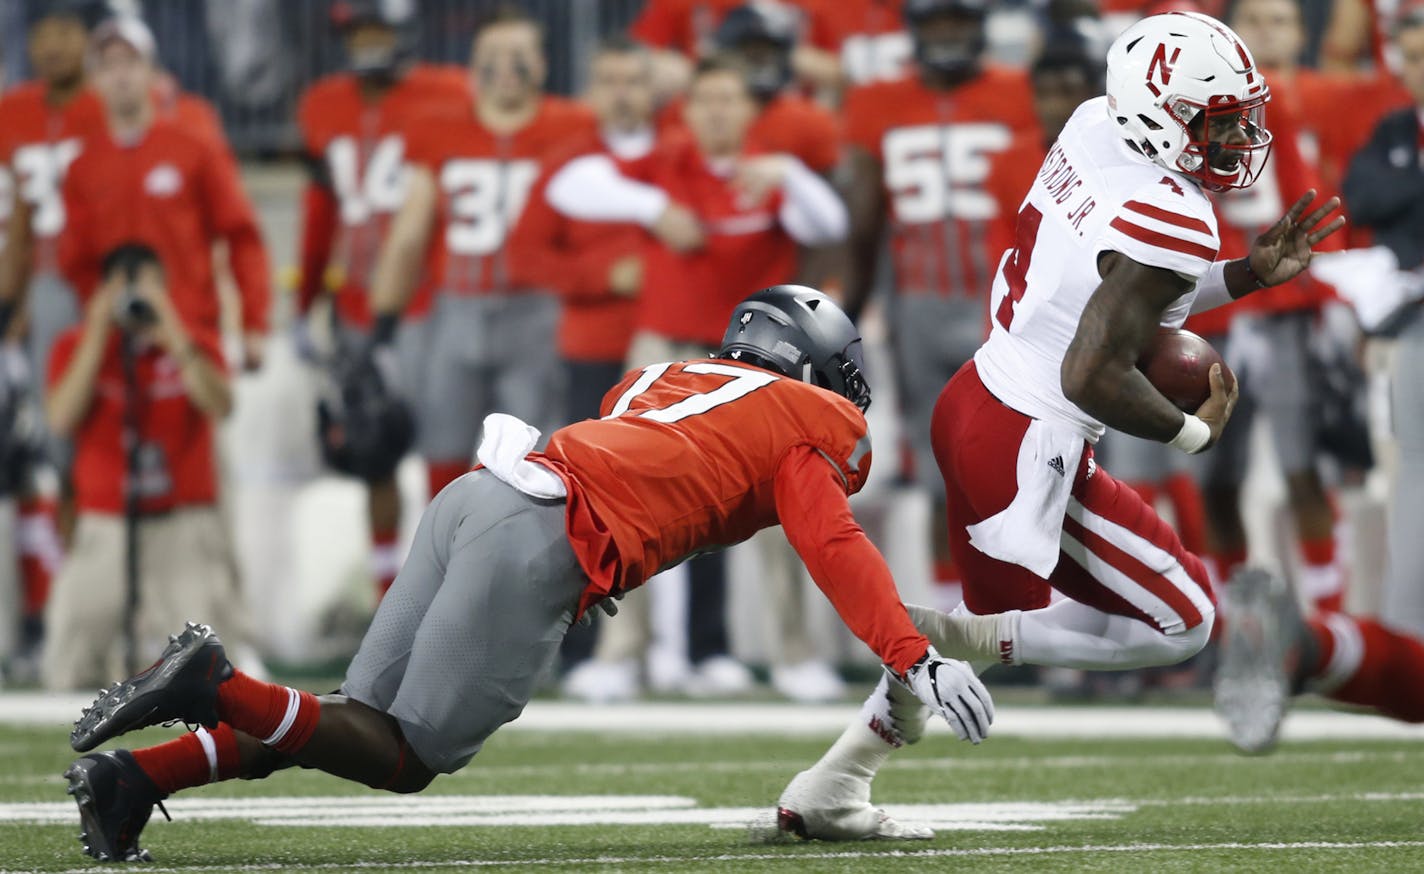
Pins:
x,y
473,621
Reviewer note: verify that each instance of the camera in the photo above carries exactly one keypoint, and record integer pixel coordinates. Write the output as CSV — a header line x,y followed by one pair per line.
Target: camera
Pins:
x,y
132,312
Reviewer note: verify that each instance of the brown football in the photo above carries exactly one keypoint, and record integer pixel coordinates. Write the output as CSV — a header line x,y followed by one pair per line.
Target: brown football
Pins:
x,y
1178,364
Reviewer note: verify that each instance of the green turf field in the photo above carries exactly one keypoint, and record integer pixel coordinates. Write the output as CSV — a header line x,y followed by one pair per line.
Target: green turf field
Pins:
x,y
1014,804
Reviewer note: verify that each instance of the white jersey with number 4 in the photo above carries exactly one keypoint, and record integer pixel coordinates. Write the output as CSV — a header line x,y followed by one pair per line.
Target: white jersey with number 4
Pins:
x,y
1093,194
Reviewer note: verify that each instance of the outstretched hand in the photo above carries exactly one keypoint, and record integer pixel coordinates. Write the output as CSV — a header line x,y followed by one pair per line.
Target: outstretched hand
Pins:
x,y
1285,249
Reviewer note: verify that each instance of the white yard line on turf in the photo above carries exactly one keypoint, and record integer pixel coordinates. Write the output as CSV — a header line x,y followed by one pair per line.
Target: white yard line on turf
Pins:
x,y
680,718
506,811
947,853
480,771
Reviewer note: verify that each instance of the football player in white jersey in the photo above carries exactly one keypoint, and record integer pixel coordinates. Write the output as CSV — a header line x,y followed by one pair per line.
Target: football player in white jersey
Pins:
x,y
1115,239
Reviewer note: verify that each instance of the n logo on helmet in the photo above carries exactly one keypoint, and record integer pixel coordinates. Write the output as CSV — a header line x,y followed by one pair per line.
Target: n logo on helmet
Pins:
x,y
1165,64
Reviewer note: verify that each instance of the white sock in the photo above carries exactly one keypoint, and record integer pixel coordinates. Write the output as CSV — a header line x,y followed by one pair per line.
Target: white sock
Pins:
x,y
890,718
991,638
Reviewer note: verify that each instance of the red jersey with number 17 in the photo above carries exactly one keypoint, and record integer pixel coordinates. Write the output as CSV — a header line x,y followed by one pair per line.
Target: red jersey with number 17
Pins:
x,y
698,455
935,148
483,179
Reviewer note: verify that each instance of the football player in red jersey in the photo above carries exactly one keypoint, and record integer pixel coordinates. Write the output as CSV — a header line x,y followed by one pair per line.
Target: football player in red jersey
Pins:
x,y
866,40
763,38
492,343
1377,661
42,124
682,31
678,32
1275,29
920,149
355,128
689,456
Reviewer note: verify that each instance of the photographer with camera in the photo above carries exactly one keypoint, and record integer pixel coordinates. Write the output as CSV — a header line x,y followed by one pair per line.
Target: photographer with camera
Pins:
x,y
139,395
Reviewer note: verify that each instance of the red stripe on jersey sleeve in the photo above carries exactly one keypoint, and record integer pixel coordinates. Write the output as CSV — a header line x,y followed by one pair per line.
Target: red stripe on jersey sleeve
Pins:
x,y
1162,241
1171,218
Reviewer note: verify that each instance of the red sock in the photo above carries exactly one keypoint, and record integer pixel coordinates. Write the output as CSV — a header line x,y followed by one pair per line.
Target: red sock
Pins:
x,y
1147,490
40,551
191,760
442,473
1321,578
280,717
385,559
1366,664
1190,510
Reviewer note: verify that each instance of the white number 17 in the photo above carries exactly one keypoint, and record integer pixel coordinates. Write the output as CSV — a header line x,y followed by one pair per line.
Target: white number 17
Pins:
x,y
743,382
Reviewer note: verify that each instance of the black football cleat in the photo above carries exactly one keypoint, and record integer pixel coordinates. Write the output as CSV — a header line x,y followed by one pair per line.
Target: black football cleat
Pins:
x,y
182,686
115,799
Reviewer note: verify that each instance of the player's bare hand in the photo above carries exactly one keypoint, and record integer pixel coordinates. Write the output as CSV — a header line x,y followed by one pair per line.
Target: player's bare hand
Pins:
x,y
1285,249
756,178
679,229
1217,409
951,689
625,277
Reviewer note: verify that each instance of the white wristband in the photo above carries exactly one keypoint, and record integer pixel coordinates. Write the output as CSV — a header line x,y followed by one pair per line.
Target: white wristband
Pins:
x,y
1193,437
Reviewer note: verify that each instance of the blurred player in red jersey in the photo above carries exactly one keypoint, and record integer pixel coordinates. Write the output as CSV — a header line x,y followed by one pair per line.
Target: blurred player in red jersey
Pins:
x,y
147,179
689,456
1115,239
1358,31
920,150
865,40
763,38
679,32
1375,662
42,124
355,128
597,267
1276,32
682,31
750,210
492,343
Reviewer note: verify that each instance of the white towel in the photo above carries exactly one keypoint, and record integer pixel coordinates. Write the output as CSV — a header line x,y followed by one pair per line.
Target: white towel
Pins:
x,y
1028,531
1370,279
504,452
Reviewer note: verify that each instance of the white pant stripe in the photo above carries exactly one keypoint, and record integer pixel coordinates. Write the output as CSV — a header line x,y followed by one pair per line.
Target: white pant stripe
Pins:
x,y
1154,557
1124,586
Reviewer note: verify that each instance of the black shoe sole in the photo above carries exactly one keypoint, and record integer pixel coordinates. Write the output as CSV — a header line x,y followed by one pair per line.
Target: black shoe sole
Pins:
x,y
133,703
91,835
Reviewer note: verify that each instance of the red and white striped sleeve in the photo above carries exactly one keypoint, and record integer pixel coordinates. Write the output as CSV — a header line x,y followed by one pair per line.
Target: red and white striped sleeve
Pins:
x,y
1160,227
